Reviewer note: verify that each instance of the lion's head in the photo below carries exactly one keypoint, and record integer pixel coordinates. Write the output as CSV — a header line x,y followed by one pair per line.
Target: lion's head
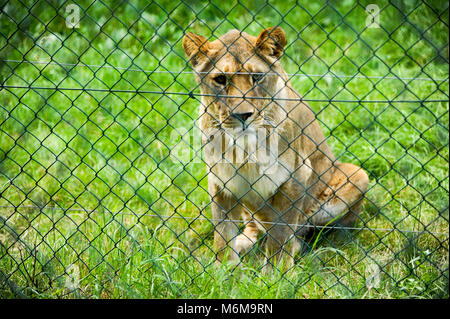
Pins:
x,y
241,79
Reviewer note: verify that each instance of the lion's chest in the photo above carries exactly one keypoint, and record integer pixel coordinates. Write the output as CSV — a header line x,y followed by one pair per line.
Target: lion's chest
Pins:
x,y
249,183
248,167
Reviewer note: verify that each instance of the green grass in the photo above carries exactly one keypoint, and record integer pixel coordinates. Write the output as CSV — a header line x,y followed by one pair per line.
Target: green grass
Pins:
x,y
100,159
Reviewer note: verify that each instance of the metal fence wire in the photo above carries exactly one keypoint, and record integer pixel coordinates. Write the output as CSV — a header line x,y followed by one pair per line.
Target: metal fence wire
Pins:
x,y
164,149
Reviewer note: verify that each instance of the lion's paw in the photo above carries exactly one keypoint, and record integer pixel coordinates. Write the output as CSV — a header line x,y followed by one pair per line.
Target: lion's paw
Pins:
x,y
243,244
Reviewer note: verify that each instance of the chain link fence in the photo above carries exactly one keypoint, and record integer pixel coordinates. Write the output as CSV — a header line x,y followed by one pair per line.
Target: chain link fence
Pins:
x,y
103,168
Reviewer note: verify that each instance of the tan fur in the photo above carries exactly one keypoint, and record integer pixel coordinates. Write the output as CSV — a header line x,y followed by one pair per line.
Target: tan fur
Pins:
x,y
306,185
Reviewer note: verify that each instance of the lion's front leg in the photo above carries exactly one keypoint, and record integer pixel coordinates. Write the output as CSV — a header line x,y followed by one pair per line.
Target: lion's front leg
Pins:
x,y
225,233
282,244
225,214
248,238
280,219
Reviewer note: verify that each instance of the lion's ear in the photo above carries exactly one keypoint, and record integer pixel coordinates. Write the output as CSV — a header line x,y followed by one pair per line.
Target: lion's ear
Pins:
x,y
195,46
271,41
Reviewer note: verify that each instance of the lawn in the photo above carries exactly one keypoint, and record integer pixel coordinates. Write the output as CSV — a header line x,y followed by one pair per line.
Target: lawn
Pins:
x,y
103,193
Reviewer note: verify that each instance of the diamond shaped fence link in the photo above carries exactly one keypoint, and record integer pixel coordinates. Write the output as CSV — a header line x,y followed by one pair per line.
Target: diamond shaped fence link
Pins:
x,y
106,187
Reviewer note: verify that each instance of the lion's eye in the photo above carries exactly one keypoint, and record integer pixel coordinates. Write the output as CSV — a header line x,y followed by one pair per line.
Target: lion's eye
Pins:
x,y
257,77
220,79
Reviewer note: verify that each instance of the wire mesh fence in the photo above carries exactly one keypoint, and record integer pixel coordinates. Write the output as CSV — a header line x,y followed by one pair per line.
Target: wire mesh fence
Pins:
x,y
112,114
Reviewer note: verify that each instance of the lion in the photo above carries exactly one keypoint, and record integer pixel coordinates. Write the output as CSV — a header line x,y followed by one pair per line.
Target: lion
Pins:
x,y
245,92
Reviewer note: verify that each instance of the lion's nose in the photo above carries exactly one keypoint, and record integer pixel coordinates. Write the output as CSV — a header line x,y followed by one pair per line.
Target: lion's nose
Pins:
x,y
242,116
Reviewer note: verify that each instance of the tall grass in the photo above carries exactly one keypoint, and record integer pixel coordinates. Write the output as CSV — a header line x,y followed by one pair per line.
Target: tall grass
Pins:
x,y
97,198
